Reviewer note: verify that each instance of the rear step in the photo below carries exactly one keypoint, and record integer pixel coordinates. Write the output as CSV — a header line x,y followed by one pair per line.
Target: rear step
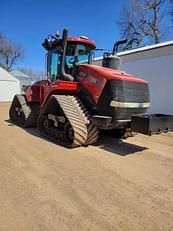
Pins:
x,y
150,124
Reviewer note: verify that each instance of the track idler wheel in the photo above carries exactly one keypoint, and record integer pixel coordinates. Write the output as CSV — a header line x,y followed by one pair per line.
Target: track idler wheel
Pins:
x,y
68,133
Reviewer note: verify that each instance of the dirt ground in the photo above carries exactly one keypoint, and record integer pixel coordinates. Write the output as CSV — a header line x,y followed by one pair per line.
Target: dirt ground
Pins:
x,y
114,185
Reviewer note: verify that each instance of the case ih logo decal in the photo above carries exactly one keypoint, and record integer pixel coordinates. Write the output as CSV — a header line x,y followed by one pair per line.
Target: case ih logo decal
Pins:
x,y
82,74
93,80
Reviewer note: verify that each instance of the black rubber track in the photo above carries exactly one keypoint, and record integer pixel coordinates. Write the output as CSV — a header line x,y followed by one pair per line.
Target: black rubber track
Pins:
x,y
29,113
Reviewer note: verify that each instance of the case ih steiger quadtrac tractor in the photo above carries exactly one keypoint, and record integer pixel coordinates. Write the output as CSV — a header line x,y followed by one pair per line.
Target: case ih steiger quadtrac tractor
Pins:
x,y
78,98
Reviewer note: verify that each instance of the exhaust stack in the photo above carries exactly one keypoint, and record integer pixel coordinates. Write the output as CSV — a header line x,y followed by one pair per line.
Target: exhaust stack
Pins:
x,y
63,74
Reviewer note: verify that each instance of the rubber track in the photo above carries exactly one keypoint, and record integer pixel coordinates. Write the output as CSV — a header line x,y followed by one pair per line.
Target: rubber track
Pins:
x,y
73,114
92,131
84,130
30,112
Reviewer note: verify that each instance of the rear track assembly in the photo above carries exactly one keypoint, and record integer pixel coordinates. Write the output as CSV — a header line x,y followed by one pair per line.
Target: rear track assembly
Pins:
x,y
23,113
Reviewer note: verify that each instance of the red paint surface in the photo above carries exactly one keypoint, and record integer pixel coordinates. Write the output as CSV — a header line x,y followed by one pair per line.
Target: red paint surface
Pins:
x,y
41,90
93,80
82,40
111,74
97,77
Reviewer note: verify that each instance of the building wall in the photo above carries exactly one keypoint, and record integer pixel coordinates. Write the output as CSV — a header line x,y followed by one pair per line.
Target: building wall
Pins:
x,y
159,72
156,66
25,80
8,89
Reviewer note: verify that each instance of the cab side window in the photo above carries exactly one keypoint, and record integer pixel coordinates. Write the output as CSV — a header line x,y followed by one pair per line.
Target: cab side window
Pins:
x,y
53,65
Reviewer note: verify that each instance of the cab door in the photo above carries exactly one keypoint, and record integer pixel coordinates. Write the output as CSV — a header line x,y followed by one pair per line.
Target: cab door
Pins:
x,y
53,65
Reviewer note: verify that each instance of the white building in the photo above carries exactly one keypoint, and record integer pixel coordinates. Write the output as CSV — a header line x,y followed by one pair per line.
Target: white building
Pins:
x,y
155,64
24,79
9,85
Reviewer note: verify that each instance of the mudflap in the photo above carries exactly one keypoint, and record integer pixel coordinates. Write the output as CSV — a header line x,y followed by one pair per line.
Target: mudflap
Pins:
x,y
149,124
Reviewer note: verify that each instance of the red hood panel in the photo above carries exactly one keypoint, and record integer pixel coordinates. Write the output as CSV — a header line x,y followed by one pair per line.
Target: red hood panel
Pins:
x,y
111,74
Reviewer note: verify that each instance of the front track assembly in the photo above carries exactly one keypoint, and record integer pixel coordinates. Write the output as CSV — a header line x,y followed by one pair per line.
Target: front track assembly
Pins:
x,y
65,120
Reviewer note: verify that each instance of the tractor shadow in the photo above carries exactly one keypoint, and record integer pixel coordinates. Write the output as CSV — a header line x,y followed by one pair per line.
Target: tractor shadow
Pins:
x,y
32,131
106,142
118,146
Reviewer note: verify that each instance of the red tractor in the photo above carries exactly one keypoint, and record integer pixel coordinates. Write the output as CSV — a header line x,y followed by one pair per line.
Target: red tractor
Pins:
x,y
78,98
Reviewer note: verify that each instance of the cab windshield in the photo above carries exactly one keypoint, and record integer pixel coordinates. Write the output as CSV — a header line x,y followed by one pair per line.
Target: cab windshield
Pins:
x,y
78,53
75,54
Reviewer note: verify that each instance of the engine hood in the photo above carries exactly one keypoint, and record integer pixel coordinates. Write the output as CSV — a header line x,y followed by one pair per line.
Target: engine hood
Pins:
x,y
107,73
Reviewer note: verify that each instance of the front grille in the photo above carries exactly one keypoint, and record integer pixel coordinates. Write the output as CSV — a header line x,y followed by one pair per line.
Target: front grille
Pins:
x,y
123,91
129,91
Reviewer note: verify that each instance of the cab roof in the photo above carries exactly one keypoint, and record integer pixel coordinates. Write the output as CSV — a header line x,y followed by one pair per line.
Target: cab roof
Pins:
x,y
82,40
54,43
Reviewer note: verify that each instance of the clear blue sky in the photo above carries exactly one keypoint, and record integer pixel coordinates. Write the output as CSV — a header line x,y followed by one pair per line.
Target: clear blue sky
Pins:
x,y
28,22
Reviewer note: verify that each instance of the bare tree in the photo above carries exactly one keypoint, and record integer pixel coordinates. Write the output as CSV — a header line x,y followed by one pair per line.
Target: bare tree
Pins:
x,y
142,22
129,24
9,52
154,18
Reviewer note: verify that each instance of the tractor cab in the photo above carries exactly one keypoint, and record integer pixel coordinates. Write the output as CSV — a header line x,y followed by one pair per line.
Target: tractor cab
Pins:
x,y
64,55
